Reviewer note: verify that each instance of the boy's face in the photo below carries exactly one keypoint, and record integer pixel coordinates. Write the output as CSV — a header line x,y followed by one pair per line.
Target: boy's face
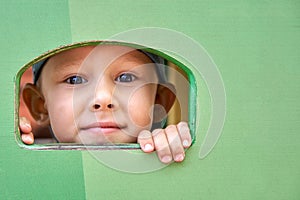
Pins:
x,y
96,95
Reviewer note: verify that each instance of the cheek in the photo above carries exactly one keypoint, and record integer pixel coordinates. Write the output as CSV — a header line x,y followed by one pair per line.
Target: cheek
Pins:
x,y
140,106
61,113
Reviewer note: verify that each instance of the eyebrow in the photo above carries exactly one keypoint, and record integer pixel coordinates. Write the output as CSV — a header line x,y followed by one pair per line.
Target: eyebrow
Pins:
x,y
59,69
70,65
135,59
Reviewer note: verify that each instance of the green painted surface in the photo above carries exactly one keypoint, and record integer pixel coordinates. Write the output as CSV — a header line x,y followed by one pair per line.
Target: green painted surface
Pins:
x,y
255,45
27,30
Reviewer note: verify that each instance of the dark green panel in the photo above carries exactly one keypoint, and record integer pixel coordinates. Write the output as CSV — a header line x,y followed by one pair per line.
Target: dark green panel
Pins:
x,y
29,28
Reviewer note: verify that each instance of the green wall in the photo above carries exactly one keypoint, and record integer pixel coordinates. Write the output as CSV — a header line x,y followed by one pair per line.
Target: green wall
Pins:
x,y
255,45
27,30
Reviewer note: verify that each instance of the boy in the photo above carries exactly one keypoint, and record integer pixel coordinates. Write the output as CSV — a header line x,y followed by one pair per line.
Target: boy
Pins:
x,y
105,94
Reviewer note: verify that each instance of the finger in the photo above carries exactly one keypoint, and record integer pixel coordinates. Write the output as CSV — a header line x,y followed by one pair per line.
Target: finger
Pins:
x,y
27,138
162,146
175,143
184,132
24,125
145,141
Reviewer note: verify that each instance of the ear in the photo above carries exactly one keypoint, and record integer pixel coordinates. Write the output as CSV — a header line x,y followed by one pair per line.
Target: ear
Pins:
x,y
165,97
35,103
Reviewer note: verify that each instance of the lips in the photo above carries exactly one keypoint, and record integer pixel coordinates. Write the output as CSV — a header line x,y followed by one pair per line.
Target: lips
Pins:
x,y
102,127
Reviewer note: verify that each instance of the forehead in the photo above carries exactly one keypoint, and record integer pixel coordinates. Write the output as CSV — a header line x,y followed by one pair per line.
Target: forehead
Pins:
x,y
101,54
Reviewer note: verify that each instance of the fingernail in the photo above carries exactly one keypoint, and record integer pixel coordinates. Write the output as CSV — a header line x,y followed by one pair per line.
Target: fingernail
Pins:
x,y
179,157
24,137
27,125
148,147
166,159
27,138
185,143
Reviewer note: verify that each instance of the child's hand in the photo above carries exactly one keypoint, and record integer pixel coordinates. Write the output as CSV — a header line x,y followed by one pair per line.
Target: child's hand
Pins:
x,y
26,131
169,143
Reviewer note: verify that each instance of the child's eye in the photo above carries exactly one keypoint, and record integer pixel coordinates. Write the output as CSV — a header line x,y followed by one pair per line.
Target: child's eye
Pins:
x,y
126,77
76,80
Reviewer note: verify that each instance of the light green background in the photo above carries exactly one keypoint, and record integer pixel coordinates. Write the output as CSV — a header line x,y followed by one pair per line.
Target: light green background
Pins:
x,y
255,45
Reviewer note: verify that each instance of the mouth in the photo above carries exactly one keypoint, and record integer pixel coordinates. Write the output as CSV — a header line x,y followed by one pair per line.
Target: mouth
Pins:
x,y
102,127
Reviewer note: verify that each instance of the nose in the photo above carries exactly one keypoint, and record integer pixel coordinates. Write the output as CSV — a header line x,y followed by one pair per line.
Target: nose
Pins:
x,y
103,97
99,106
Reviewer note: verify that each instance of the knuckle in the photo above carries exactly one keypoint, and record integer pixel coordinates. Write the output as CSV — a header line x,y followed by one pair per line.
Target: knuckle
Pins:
x,y
144,135
171,129
183,128
182,124
157,132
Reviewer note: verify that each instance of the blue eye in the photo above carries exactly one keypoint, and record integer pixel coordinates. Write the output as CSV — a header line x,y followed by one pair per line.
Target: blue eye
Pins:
x,y
126,77
76,80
